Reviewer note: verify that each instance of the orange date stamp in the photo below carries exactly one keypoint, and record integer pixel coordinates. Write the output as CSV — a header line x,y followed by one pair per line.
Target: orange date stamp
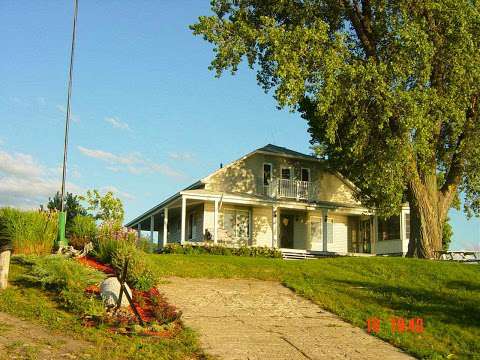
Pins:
x,y
397,324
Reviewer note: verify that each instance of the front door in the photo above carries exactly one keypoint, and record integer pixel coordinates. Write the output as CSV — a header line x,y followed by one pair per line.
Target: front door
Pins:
x,y
286,231
365,236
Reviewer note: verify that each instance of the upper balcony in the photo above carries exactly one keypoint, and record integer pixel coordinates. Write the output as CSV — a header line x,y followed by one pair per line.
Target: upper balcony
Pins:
x,y
287,189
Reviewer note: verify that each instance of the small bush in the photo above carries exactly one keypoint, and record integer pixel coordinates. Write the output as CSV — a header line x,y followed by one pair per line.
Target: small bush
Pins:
x,y
31,232
146,245
189,249
114,245
82,230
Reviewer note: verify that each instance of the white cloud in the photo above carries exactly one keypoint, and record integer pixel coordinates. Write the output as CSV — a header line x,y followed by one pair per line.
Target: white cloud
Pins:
x,y
19,164
181,156
63,110
25,183
133,163
117,192
117,123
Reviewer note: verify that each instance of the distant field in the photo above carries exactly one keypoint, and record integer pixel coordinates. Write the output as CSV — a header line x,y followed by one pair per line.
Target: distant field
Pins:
x,y
445,295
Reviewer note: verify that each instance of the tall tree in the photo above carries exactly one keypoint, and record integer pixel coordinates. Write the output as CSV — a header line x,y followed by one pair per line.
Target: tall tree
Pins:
x,y
390,91
73,207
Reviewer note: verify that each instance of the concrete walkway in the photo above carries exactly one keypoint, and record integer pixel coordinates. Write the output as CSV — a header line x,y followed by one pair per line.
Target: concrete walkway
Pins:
x,y
250,319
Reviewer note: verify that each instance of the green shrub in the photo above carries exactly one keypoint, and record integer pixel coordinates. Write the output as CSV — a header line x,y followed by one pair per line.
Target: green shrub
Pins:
x,y
31,232
139,274
66,278
81,231
189,249
146,245
114,245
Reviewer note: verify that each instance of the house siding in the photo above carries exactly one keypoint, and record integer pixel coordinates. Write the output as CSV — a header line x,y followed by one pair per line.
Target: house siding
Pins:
x,y
246,175
340,234
262,225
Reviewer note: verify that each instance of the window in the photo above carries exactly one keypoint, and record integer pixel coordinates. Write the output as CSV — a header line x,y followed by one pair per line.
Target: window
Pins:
x,y
305,175
407,226
267,174
236,223
286,173
389,229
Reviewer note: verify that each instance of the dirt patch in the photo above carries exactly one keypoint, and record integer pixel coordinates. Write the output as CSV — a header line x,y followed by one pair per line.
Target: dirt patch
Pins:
x,y
250,319
23,340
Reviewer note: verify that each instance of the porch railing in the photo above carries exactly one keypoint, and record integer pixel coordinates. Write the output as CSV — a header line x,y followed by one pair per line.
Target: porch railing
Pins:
x,y
289,189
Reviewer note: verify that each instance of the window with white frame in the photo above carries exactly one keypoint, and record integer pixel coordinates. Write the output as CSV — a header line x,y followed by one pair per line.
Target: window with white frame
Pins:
x,y
316,230
236,223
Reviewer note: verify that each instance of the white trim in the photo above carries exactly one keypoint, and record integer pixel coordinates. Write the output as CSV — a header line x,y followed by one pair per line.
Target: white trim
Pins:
x,y
183,220
165,226
215,222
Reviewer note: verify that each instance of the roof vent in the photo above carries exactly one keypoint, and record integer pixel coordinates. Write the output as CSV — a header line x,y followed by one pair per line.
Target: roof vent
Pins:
x,y
221,165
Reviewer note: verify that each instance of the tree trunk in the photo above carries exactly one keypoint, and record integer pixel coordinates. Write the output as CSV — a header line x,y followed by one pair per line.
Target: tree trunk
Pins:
x,y
4,267
427,216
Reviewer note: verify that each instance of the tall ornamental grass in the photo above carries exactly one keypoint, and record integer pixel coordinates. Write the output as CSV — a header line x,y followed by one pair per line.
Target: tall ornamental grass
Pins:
x,y
32,231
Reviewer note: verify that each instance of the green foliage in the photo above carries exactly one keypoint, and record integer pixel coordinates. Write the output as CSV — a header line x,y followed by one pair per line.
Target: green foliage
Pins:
x,y
104,208
447,234
146,245
390,90
73,207
31,232
66,278
114,245
5,237
189,249
81,231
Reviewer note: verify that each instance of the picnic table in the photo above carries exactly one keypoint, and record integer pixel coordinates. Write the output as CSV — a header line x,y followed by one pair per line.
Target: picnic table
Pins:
x,y
466,256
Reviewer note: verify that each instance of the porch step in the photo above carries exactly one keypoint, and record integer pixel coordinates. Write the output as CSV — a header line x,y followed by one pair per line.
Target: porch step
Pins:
x,y
296,254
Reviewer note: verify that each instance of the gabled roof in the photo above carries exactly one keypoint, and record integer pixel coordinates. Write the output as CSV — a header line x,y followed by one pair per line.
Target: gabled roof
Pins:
x,y
267,149
278,150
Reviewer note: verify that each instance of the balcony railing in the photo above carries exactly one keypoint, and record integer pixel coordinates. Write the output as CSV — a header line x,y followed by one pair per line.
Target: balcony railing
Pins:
x,y
289,189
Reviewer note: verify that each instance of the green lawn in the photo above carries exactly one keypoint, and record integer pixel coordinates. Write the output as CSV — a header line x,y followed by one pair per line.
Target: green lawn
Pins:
x,y
446,295
27,300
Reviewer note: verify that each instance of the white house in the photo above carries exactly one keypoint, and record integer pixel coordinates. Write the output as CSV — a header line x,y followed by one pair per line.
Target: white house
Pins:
x,y
280,198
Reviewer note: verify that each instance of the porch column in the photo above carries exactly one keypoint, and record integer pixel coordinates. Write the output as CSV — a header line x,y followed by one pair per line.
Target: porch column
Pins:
x,y
165,227
215,223
325,229
184,218
152,227
275,226
139,230
374,234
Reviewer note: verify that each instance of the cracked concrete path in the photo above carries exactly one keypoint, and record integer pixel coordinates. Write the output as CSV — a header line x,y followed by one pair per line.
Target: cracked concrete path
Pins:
x,y
251,319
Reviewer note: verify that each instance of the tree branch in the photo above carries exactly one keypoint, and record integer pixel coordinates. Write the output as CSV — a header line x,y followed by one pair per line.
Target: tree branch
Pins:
x,y
362,25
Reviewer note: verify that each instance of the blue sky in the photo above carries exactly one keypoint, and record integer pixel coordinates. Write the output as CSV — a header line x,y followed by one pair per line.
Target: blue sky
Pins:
x,y
149,117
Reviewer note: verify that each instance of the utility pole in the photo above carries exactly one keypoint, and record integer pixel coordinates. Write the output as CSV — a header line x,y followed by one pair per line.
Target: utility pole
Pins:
x,y
62,218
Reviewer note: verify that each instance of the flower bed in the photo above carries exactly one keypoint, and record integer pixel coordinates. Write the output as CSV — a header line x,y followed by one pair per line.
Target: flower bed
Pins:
x,y
161,318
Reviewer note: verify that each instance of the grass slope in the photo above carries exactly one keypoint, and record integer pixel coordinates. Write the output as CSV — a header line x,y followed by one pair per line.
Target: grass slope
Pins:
x,y
34,294
446,295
